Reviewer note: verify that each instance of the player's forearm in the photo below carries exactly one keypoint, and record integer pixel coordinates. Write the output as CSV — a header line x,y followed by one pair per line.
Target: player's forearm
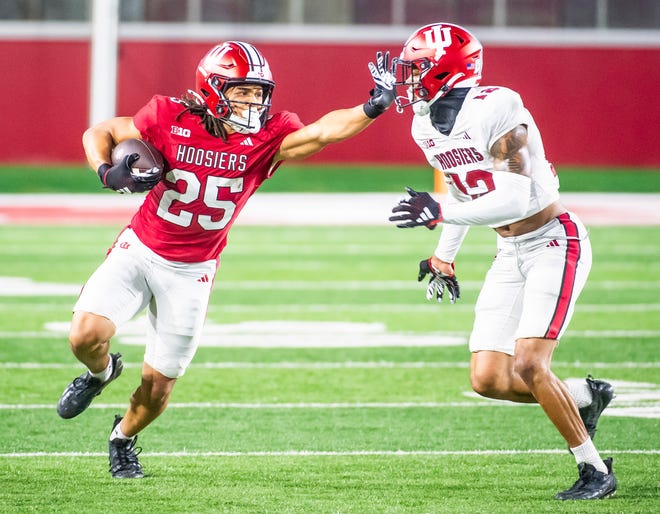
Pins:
x,y
342,124
450,242
98,146
508,200
100,139
331,128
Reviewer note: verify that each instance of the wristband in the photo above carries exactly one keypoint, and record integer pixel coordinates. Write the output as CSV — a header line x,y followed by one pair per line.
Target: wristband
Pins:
x,y
102,172
371,110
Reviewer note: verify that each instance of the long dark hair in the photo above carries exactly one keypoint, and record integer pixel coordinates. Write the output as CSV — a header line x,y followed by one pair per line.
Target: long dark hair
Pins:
x,y
213,125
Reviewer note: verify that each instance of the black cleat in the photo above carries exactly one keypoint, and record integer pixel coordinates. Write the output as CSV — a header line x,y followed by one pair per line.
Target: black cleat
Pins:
x,y
124,456
80,393
601,393
592,484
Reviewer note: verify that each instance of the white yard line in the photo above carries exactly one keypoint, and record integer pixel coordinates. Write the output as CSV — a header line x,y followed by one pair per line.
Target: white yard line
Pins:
x,y
633,399
333,365
408,307
321,453
228,339
288,405
313,209
26,287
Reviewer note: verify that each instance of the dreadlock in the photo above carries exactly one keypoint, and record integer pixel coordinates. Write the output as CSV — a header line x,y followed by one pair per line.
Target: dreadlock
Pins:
x,y
213,125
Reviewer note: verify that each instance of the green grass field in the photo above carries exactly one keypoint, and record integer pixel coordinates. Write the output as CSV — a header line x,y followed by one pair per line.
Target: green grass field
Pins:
x,y
278,420
331,178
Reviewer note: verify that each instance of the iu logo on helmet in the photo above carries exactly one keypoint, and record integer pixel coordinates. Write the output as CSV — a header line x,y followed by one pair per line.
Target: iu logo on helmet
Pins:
x,y
439,38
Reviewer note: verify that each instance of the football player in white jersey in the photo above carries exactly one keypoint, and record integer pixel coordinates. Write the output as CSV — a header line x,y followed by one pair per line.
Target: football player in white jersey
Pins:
x,y
490,151
220,143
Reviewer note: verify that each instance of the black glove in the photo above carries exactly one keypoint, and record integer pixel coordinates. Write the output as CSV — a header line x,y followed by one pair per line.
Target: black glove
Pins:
x,y
148,177
438,282
382,95
420,209
120,177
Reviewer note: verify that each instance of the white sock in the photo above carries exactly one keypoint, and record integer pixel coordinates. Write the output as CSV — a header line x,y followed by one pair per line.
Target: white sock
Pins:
x,y
579,391
118,434
587,452
105,374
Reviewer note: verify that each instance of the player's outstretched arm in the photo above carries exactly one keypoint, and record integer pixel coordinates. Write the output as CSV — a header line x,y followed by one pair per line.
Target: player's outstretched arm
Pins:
x,y
100,139
331,128
343,123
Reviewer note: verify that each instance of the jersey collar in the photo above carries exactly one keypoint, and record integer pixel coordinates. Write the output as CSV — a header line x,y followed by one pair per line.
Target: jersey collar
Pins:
x,y
445,110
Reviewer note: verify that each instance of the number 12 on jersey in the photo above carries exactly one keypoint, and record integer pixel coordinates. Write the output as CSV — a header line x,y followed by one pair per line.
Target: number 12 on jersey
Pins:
x,y
475,183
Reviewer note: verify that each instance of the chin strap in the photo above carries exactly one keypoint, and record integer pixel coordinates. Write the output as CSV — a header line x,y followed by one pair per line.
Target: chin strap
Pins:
x,y
423,108
450,83
242,125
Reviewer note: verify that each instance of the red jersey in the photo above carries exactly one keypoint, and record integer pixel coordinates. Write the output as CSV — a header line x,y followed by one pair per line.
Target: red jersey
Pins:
x,y
187,216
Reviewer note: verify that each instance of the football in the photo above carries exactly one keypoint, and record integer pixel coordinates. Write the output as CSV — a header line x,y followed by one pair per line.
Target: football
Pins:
x,y
150,158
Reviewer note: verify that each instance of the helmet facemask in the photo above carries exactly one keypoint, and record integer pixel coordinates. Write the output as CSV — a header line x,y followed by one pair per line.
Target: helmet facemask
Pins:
x,y
242,116
409,75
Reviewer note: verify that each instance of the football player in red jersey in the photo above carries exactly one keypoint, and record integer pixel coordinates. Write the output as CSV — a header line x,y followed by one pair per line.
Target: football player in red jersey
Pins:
x,y
220,142
490,150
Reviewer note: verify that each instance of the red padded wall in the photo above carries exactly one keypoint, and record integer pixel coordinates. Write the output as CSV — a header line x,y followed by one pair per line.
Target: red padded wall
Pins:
x,y
595,106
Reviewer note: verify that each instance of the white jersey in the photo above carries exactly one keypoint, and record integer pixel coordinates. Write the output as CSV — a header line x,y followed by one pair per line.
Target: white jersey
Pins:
x,y
535,279
486,114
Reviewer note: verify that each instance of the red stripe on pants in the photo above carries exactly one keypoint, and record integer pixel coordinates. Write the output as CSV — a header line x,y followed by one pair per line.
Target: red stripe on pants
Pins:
x,y
568,278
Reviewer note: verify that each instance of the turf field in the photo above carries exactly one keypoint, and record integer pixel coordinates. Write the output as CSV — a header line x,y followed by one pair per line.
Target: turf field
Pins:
x,y
331,178
326,383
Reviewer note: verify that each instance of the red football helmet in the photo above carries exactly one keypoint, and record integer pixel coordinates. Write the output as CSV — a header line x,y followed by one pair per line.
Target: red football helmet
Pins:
x,y
230,64
435,58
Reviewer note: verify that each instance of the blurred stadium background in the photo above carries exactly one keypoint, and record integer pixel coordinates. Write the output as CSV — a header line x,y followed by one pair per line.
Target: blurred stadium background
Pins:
x,y
325,382
588,70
